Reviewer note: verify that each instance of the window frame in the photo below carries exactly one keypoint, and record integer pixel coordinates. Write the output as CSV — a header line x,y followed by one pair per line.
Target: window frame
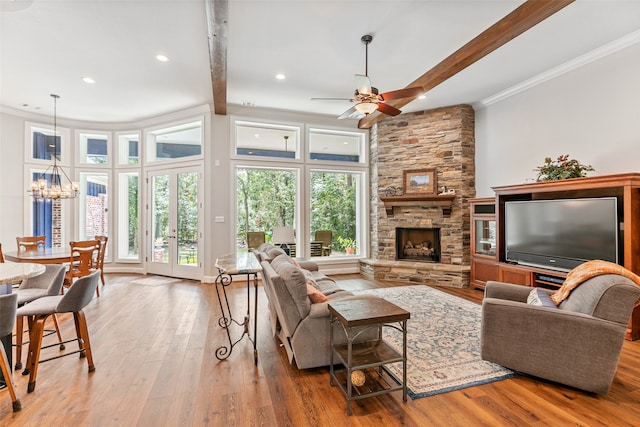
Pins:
x,y
298,128
81,149
305,165
364,143
81,210
118,150
149,145
65,144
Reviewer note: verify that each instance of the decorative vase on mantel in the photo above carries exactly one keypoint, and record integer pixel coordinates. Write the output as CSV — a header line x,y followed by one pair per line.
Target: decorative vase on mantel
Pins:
x,y
561,168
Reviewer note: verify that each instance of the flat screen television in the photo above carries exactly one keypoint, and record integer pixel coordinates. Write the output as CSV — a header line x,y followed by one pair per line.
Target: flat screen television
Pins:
x,y
561,234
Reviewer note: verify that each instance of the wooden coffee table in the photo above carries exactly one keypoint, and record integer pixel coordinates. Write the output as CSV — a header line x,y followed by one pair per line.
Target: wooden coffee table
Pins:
x,y
369,357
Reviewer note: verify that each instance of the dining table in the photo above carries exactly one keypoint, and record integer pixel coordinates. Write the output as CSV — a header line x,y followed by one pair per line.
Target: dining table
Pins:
x,y
42,256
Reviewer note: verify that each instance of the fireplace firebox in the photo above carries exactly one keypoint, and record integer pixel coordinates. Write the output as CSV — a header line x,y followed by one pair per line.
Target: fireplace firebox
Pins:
x,y
418,244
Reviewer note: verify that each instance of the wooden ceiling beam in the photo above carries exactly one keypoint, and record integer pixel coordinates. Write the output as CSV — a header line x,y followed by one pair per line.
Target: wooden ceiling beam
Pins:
x,y
524,17
217,15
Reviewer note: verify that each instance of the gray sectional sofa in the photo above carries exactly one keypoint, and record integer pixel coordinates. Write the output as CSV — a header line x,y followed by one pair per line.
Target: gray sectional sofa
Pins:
x,y
301,326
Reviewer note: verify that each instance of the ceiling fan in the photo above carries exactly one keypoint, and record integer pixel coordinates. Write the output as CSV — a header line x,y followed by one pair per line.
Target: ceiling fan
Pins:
x,y
367,98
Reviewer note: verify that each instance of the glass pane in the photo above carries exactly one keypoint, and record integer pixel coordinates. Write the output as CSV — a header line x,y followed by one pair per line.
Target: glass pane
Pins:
x,y
188,218
47,219
45,146
265,200
95,203
485,237
175,142
128,216
160,218
336,146
128,149
334,208
94,148
257,139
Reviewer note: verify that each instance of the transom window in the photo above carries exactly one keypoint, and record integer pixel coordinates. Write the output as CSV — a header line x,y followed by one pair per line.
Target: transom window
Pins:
x,y
265,140
175,142
331,145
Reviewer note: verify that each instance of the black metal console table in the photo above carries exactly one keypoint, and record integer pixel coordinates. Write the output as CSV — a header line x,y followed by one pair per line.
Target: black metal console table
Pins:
x,y
229,266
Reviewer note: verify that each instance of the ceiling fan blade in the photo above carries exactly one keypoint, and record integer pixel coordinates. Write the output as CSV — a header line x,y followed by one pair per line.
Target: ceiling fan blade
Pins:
x,y
363,84
402,93
351,113
388,109
333,99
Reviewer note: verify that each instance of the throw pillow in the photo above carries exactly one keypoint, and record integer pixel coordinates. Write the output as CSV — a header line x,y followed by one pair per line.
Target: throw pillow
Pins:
x,y
315,295
540,298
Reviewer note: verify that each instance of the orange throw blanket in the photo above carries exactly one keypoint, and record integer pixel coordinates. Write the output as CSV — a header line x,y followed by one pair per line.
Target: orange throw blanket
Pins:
x,y
586,271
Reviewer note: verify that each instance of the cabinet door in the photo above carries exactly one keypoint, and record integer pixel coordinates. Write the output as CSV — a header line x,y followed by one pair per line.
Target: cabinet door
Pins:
x,y
515,275
484,237
481,272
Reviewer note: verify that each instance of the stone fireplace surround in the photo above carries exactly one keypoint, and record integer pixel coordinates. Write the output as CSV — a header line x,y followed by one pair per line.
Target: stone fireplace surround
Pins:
x,y
442,139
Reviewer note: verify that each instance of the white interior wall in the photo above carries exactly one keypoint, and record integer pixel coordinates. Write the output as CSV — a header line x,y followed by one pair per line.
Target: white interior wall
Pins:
x,y
12,171
590,113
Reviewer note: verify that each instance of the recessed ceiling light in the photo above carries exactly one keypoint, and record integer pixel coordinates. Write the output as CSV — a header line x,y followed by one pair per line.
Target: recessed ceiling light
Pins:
x,y
280,76
88,80
422,97
162,58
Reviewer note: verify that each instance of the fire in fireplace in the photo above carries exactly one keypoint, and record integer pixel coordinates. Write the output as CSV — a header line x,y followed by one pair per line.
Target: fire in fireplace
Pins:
x,y
418,244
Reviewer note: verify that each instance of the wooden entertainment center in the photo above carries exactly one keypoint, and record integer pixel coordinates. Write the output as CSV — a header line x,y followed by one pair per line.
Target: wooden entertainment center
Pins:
x,y
487,230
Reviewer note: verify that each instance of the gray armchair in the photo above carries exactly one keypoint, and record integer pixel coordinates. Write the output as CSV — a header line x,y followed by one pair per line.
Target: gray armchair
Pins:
x,y
577,344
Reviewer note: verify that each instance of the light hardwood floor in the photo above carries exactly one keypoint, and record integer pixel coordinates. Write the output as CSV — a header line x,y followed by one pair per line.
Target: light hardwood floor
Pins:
x,y
153,347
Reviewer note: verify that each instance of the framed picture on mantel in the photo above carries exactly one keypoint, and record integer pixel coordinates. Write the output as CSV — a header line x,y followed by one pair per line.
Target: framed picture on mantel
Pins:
x,y
420,182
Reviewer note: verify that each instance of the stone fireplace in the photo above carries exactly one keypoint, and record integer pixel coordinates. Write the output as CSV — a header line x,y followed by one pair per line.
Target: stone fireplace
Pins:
x,y
440,140
418,244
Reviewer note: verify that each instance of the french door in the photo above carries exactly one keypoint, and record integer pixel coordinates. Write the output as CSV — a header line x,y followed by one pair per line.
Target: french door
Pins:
x,y
174,233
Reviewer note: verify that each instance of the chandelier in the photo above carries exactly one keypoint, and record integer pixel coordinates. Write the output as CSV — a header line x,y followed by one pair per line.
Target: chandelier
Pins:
x,y
54,183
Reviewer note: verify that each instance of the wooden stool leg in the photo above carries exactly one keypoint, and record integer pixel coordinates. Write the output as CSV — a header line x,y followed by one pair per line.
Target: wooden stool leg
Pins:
x,y
19,332
55,322
81,321
35,345
8,379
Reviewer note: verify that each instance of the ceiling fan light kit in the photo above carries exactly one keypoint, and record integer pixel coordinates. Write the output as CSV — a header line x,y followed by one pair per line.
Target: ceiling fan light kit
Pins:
x,y
367,97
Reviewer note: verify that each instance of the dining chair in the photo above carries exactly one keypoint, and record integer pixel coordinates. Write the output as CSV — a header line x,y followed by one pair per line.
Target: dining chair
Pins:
x,y
46,284
84,261
73,301
8,305
34,243
103,249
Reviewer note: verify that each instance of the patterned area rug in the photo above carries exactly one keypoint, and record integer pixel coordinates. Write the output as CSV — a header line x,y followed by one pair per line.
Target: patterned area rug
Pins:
x,y
443,341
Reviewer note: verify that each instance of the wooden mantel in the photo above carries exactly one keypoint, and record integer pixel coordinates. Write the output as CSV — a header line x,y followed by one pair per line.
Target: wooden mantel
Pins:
x,y
443,200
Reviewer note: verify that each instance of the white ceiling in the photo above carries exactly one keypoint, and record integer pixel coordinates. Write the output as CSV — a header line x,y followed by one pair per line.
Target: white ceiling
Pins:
x,y
47,46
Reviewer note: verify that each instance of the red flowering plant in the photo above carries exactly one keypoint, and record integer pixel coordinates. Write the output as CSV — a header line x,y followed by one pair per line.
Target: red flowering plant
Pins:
x,y
561,168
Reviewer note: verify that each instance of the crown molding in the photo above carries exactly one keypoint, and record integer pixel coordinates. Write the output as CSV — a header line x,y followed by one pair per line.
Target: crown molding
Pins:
x,y
578,62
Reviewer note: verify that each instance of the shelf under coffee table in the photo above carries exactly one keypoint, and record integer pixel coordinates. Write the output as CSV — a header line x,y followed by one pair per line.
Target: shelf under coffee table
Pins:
x,y
370,356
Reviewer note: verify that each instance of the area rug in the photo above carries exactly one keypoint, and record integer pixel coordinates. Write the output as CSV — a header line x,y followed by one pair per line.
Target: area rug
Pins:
x,y
443,341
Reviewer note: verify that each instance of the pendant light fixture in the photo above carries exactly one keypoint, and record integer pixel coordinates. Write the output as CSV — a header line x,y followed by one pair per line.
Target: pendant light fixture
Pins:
x,y
54,183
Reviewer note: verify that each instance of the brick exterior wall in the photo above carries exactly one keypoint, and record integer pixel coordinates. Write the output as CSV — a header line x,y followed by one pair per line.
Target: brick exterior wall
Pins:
x,y
442,139
96,216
